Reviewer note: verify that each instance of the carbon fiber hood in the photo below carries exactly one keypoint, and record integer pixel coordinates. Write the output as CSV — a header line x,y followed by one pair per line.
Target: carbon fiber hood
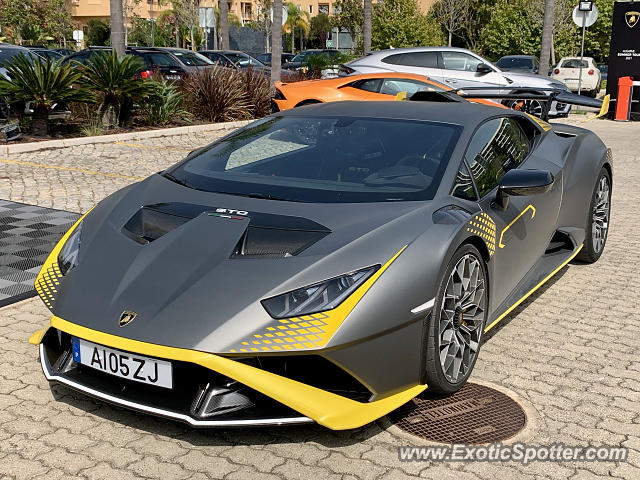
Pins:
x,y
187,287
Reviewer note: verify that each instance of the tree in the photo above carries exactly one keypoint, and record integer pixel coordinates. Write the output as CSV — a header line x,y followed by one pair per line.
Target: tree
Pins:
x,y
276,41
117,26
320,26
98,32
55,20
547,36
366,30
350,17
295,19
128,11
399,23
224,24
43,84
17,14
452,15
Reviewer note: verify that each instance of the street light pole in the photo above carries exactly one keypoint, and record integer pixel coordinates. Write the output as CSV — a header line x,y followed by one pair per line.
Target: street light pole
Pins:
x,y
153,42
584,26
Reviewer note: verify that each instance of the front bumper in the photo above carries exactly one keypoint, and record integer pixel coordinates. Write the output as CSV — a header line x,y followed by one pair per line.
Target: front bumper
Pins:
x,y
277,400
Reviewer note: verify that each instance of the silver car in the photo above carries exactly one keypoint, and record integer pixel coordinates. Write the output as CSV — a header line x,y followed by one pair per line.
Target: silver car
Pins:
x,y
459,68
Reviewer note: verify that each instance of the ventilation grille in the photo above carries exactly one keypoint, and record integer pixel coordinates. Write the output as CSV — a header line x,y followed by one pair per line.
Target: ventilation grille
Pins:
x,y
149,224
273,242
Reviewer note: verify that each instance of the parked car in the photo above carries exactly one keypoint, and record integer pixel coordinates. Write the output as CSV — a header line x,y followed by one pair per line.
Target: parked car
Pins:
x,y
301,59
190,60
368,86
235,59
46,53
461,68
519,63
568,72
64,51
266,58
604,71
156,61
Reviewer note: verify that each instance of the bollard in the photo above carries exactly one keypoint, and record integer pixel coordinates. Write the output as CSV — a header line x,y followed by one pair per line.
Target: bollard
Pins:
x,y
623,102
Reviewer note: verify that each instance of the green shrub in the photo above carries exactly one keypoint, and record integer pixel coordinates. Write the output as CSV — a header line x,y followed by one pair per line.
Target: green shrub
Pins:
x,y
44,84
164,104
116,84
257,92
216,95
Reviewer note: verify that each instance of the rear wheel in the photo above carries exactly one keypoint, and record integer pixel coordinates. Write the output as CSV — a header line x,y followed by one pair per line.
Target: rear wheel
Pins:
x,y
597,227
455,329
533,107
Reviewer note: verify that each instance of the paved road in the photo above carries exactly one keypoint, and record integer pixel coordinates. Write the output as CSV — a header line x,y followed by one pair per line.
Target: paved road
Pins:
x,y
572,352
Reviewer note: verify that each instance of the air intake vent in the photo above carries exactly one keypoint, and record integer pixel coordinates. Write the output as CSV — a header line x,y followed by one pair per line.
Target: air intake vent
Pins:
x,y
273,242
149,224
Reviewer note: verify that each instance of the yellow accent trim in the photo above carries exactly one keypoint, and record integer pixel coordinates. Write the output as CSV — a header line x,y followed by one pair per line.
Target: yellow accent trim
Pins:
x,y
604,109
544,125
328,409
330,320
36,337
510,309
401,96
502,245
69,169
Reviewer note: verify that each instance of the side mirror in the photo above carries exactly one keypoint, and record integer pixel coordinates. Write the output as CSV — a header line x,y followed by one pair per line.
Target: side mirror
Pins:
x,y
522,182
483,68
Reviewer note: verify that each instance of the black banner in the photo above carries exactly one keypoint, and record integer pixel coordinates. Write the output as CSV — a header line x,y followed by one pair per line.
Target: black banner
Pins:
x,y
624,57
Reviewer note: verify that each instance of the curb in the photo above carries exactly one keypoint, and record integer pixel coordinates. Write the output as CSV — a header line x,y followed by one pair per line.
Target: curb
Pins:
x,y
119,137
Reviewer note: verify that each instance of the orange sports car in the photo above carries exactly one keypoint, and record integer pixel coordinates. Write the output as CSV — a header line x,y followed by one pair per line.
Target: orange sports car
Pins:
x,y
370,86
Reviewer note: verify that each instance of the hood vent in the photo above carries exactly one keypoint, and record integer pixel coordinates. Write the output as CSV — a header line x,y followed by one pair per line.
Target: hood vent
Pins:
x,y
268,235
274,242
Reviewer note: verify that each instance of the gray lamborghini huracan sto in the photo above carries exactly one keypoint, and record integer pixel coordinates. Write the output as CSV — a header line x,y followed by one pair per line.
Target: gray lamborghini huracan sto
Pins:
x,y
325,264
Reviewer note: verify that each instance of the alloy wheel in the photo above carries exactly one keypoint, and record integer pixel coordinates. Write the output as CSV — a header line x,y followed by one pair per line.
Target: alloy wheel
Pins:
x,y
462,318
533,107
600,219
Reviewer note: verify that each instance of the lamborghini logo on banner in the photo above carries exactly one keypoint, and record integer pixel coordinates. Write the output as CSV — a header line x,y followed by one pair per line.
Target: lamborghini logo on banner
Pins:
x,y
632,18
127,317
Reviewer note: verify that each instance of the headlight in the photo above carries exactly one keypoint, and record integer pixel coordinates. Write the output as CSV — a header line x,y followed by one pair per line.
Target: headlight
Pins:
x,y
318,297
68,256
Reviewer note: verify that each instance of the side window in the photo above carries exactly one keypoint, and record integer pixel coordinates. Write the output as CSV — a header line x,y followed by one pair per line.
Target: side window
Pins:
x,y
415,59
392,86
460,61
498,146
369,85
463,186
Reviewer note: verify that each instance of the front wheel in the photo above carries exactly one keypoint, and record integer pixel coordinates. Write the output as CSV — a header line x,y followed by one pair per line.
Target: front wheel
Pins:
x,y
597,227
456,325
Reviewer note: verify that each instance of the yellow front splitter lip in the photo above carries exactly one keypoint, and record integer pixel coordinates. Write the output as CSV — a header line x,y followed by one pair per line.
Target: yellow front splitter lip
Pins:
x,y
328,409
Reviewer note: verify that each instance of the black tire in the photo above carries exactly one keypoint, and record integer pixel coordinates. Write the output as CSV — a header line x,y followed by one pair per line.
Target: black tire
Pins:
x,y
438,375
594,241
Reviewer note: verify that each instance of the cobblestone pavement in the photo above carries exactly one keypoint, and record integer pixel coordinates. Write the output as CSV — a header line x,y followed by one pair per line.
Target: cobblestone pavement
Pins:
x,y
572,352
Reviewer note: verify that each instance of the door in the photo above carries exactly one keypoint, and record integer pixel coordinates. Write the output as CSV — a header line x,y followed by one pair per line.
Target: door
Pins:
x,y
523,230
460,71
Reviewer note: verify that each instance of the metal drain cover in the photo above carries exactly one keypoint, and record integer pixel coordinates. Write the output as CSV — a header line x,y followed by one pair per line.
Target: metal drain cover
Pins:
x,y
475,414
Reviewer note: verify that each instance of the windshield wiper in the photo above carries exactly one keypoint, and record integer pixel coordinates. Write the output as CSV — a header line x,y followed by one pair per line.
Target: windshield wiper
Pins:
x,y
267,196
184,183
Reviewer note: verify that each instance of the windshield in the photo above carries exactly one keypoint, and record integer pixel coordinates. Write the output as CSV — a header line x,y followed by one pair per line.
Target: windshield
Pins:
x,y
515,62
243,60
192,58
325,160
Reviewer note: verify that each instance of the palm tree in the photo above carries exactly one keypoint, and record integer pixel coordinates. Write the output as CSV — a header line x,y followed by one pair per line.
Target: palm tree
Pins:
x,y
276,41
366,31
547,36
296,18
117,84
117,26
224,24
43,84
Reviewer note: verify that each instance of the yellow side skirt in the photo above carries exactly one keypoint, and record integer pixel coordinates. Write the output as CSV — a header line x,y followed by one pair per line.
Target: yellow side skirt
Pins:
x,y
328,409
545,280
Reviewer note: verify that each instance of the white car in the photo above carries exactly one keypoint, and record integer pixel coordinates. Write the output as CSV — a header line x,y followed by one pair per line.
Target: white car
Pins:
x,y
461,68
568,72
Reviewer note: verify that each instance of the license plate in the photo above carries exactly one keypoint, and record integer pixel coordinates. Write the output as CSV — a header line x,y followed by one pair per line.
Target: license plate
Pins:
x,y
172,77
123,364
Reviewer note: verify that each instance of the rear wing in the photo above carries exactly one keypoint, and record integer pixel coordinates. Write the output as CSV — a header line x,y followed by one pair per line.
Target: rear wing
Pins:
x,y
546,96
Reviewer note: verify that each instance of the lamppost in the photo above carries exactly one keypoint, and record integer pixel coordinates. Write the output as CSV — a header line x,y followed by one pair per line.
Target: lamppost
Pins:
x,y
153,42
585,8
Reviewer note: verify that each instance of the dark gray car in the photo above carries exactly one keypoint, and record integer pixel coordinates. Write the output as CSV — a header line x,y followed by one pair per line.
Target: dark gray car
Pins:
x,y
327,263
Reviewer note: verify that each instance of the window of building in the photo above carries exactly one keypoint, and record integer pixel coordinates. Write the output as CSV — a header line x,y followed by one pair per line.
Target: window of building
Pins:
x,y
310,8
323,8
